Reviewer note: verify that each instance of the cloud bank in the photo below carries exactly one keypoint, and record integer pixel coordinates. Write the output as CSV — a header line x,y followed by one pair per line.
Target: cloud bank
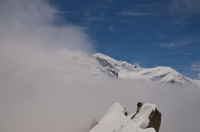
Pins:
x,y
37,24
195,67
28,27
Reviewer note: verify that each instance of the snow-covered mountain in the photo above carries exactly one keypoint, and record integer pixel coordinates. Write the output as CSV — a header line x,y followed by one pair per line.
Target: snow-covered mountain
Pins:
x,y
157,74
66,65
79,65
116,121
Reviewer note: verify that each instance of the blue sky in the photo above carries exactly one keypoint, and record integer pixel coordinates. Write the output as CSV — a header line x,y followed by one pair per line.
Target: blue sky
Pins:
x,y
149,33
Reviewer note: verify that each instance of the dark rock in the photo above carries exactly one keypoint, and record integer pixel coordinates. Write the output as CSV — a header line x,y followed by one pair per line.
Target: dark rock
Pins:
x,y
154,117
134,115
155,120
172,81
109,67
125,112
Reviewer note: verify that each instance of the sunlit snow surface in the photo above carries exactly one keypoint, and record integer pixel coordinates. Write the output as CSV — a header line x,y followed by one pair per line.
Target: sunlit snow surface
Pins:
x,y
65,91
115,120
157,74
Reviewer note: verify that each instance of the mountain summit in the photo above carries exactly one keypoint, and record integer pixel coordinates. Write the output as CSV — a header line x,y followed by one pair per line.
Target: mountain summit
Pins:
x,y
158,74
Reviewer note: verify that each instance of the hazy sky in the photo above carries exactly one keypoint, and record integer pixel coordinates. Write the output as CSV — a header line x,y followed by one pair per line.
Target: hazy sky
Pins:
x,y
150,33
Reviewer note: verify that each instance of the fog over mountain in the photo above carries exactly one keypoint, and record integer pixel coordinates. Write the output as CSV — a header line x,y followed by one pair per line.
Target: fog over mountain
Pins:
x,y
50,81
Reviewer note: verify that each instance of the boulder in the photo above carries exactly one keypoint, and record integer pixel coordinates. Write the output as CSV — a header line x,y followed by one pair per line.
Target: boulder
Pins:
x,y
155,120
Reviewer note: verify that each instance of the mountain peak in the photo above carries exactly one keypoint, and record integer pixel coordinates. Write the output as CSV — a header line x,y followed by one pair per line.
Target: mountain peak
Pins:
x,y
159,74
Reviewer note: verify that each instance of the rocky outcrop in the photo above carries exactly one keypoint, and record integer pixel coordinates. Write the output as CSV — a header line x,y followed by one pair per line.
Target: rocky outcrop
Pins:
x,y
125,112
155,120
117,119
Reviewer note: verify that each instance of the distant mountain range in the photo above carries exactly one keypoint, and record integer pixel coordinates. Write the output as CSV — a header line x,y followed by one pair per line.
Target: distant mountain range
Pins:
x,y
124,70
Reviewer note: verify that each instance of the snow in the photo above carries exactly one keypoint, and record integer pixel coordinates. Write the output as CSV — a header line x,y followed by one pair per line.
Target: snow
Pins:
x,y
197,82
115,111
158,74
115,120
120,65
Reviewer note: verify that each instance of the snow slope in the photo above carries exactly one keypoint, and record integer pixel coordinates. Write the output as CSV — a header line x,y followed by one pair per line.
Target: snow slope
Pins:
x,y
157,74
115,120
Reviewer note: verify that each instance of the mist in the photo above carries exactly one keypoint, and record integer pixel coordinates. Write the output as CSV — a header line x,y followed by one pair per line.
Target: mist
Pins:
x,y
48,83
38,102
39,25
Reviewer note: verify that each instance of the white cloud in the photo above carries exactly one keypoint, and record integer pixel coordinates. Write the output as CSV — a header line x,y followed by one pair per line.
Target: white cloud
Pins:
x,y
195,66
27,25
111,28
171,44
184,7
38,24
94,18
31,32
131,13
62,12
179,43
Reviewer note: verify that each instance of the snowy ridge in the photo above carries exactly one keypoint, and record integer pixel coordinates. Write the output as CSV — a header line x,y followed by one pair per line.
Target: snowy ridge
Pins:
x,y
157,74
109,67
119,65
116,121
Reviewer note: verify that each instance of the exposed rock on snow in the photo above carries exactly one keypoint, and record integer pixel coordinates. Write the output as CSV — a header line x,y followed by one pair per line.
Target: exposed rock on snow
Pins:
x,y
146,119
155,120
109,67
